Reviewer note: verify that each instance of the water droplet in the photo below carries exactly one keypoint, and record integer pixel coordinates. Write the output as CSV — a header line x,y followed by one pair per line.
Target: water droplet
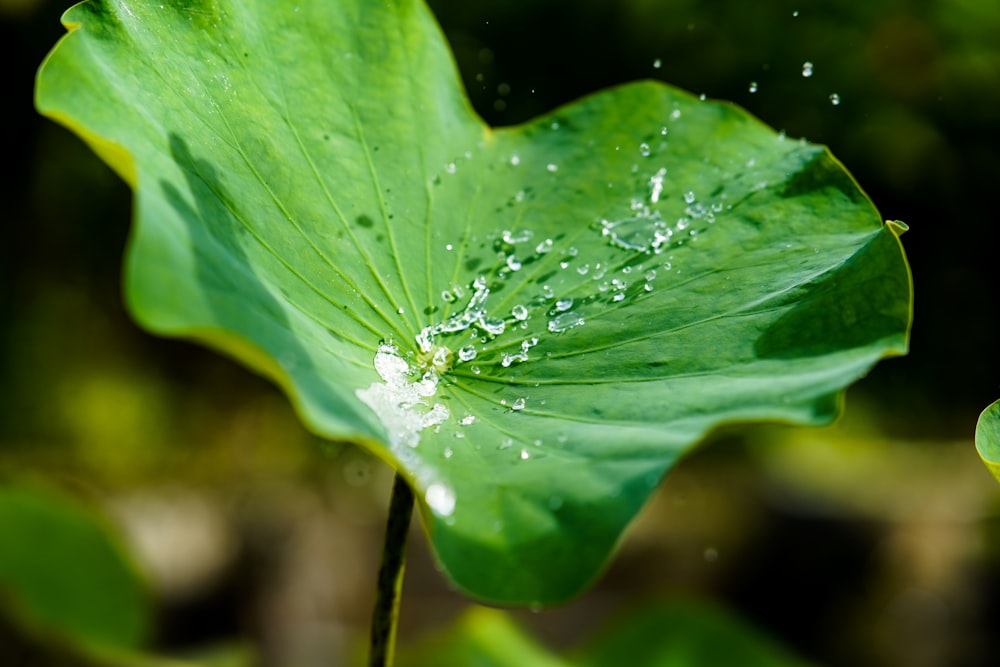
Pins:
x,y
525,454
467,353
644,149
515,159
807,69
703,97
753,87
492,327
475,370
448,453
795,13
564,304
650,275
548,292
441,357
468,420
519,236
689,196
555,125
447,296
451,168
440,499
675,114
519,312
583,269
518,404
657,64
544,247
513,263
663,131
552,167
834,99
565,321
656,185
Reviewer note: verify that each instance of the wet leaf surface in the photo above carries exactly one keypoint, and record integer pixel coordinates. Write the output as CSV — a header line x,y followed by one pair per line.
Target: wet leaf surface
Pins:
x,y
532,323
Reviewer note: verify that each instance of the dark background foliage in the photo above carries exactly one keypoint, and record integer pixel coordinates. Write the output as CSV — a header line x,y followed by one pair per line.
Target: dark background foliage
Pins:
x,y
114,413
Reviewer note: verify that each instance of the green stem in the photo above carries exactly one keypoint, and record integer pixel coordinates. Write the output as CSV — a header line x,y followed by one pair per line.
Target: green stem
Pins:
x,y
390,575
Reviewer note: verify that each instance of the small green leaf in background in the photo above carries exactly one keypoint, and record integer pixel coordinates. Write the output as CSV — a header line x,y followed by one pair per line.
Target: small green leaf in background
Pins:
x,y
480,637
670,633
531,323
63,575
70,595
685,634
988,438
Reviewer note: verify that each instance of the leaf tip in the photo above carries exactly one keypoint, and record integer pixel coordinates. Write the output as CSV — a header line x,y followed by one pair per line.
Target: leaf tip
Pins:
x,y
898,227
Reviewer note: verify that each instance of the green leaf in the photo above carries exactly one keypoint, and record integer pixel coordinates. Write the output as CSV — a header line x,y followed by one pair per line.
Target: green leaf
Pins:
x,y
685,634
988,438
315,197
672,633
62,573
480,637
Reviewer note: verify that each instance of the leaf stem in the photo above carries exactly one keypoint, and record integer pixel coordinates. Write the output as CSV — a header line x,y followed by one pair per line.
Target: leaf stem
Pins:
x,y
390,575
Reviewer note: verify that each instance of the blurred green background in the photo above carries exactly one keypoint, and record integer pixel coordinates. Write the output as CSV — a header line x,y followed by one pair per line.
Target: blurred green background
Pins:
x,y
873,542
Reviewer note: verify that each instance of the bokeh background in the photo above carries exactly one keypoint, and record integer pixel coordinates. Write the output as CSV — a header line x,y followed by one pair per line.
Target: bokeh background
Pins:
x,y
873,542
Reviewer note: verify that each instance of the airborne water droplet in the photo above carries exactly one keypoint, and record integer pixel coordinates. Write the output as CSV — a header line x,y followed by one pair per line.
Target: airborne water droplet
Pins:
x,y
657,64
753,86
834,99
807,69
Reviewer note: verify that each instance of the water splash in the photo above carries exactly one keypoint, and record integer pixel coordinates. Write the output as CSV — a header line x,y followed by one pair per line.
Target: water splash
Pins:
x,y
474,314
401,403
